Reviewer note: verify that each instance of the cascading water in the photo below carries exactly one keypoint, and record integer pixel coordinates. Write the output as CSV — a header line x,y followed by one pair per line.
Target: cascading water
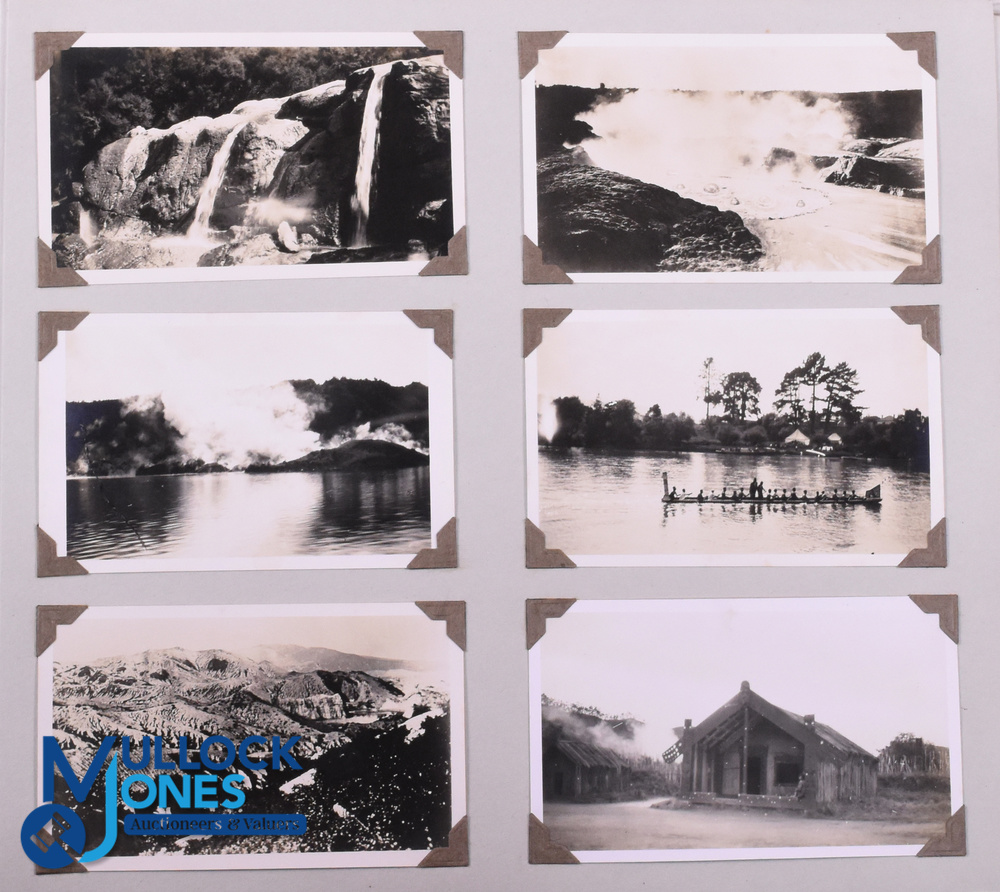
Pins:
x,y
88,229
364,179
156,196
210,187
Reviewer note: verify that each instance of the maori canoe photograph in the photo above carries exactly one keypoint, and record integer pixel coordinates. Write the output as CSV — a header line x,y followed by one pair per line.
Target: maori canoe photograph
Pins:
x,y
706,437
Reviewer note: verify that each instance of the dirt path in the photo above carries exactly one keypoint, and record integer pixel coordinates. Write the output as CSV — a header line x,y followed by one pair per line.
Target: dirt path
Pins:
x,y
635,825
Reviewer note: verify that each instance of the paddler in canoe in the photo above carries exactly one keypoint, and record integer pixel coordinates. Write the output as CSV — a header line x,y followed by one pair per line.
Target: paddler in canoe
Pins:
x,y
871,498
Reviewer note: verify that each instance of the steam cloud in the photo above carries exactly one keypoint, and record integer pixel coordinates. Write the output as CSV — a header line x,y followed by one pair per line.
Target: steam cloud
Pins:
x,y
262,424
245,426
234,429
388,433
690,141
639,748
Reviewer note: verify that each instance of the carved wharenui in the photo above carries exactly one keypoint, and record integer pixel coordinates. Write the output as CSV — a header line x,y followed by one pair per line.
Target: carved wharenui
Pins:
x,y
751,752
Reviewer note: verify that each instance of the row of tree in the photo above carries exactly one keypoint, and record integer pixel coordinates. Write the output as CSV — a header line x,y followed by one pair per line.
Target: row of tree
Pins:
x,y
617,425
815,394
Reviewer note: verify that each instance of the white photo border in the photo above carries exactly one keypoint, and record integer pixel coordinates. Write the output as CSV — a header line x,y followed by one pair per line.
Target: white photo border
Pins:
x,y
402,858
763,41
699,559
52,372
246,272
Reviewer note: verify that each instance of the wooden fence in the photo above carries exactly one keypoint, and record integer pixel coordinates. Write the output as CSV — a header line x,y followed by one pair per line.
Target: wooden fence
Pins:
x,y
927,759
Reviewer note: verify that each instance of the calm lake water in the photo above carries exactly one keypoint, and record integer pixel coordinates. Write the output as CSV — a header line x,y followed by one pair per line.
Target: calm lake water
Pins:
x,y
595,503
249,515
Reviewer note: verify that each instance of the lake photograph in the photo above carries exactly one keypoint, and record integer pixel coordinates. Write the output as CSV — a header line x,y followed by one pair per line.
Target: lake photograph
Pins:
x,y
261,438
753,436
790,156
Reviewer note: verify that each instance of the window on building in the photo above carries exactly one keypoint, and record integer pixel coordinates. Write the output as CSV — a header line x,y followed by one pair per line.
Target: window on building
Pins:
x,y
787,772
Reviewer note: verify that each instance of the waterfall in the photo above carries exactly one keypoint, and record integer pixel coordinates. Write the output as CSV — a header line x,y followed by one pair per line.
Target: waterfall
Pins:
x,y
364,179
88,229
210,186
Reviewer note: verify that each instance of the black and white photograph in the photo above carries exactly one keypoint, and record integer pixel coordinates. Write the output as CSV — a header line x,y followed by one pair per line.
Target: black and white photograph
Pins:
x,y
218,160
747,437
730,157
744,728
252,441
373,693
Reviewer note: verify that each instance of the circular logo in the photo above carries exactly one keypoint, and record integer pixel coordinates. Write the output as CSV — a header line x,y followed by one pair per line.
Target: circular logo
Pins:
x,y
47,849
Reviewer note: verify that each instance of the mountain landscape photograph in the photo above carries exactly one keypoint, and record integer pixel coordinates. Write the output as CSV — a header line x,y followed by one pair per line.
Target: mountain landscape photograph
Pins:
x,y
731,157
214,436
230,155
376,767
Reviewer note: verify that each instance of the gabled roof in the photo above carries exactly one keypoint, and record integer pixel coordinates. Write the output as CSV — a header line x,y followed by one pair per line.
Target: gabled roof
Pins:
x,y
590,755
729,717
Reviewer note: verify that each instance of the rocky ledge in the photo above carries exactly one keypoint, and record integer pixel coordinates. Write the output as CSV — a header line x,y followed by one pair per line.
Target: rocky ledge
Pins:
x,y
894,166
596,220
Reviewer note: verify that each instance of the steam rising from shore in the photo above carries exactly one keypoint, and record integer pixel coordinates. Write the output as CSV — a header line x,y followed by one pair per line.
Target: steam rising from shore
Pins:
x,y
716,147
716,133
232,428
389,432
241,427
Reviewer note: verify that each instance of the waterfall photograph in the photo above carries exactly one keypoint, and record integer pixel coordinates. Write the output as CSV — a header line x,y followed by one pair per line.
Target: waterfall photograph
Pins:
x,y
261,440
365,701
735,728
712,437
230,156
805,158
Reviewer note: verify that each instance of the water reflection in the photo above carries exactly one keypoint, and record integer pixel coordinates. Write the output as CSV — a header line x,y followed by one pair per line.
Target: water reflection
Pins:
x,y
247,515
370,504
132,516
594,503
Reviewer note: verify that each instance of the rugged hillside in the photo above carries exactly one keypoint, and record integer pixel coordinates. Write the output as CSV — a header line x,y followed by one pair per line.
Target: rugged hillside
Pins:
x,y
176,692
374,754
